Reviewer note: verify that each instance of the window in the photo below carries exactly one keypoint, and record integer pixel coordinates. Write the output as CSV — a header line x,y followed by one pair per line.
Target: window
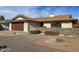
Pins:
x,y
41,24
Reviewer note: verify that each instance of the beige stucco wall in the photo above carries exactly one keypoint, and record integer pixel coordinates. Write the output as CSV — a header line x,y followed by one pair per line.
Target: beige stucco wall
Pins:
x,y
48,25
10,26
25,27
66,25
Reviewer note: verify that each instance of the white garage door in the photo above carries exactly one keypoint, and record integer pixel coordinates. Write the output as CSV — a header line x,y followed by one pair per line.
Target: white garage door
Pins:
x,y
66,25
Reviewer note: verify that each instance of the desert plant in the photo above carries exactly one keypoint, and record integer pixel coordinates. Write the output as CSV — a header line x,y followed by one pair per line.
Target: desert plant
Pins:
x,y
51,32
35,32
59,40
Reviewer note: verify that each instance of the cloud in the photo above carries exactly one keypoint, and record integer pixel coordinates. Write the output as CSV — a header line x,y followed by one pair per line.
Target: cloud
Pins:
x,y
35,11
7,11
31,11
45,11
38,11
54,11
8,14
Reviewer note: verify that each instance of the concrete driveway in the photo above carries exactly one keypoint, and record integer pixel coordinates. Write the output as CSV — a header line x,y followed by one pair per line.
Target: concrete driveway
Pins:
x,y
23,42
11,33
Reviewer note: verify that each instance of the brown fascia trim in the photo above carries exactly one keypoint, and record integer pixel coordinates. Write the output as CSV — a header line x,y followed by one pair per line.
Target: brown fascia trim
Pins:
x,y
13,20
32,21
72,20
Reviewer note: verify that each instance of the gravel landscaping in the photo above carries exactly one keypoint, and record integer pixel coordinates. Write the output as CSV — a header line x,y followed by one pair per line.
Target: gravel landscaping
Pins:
x,y
70,44
54,42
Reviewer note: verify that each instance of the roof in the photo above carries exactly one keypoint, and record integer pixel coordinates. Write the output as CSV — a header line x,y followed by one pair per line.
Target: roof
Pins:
x,y
45,19
54,18
23,16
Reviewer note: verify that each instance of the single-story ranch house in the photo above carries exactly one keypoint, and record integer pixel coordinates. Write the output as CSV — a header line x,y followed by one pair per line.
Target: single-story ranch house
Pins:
x,y
24,23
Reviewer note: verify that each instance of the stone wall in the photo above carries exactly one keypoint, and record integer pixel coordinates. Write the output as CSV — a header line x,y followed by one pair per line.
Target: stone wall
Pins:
x,y
61,30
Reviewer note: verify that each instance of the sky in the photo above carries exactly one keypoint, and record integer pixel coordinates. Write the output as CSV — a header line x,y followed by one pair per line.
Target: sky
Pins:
x,y
38,11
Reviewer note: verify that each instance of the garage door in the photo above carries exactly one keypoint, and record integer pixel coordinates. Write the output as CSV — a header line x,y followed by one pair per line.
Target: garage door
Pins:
x,y
17,26
66,25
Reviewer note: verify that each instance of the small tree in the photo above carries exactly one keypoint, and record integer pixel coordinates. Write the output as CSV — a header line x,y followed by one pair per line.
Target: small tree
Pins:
x,y
2,18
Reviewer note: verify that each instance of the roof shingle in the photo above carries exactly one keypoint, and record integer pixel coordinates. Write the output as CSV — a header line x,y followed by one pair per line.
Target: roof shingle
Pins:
x,y
54,18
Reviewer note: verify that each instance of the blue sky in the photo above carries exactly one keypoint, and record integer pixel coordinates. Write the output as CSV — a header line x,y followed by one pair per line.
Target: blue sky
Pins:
x,y
38,11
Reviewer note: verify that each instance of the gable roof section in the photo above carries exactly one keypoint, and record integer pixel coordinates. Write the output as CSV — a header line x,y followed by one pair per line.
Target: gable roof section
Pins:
x,y
25,18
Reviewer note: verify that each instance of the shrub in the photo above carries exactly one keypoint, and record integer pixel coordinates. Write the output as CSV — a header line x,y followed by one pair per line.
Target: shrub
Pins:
x,y
60,40
51,32
35,32
44,27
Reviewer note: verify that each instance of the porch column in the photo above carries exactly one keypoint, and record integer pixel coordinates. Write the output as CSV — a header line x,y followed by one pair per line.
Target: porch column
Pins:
x,y
25,27
10,26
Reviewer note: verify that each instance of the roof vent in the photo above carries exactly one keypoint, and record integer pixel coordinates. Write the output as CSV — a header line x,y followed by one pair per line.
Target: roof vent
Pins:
x,y
51,15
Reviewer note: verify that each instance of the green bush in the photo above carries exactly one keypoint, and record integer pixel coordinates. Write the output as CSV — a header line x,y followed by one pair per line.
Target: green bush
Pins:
x,y
60,40
35,32
51,32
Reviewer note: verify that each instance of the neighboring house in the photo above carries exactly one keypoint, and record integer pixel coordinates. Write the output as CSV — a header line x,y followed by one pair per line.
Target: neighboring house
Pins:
x,y
24,23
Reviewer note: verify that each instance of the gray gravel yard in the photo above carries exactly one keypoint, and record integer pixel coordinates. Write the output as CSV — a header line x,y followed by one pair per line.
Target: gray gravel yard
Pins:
x,y
23,43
